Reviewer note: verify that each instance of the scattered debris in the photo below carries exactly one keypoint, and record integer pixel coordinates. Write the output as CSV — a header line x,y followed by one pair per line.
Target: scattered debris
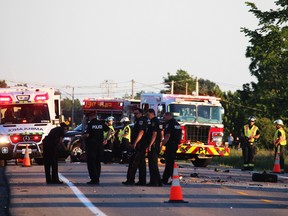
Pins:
x,y
195,175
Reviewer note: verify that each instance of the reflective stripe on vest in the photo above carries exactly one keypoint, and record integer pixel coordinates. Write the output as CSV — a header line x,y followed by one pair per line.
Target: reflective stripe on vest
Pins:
x,y
248,132
283,136
122,133
112,134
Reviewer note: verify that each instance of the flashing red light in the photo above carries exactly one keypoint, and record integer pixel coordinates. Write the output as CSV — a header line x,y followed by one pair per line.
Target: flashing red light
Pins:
x,y
41,97
15,138
37,138
5,99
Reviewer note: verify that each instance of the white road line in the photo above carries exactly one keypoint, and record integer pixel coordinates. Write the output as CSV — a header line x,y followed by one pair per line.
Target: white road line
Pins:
x,y
82,197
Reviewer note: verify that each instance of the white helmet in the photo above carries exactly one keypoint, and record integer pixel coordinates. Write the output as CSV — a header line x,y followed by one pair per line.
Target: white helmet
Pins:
x,y
252,118
279,122
110,118
124,119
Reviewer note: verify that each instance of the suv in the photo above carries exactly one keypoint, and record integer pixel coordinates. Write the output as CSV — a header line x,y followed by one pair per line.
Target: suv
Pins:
x,y
74,143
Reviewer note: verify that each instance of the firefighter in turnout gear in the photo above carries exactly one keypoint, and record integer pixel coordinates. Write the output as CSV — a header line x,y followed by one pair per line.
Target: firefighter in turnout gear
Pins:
x,y
124,136
108,148
280,142
250,135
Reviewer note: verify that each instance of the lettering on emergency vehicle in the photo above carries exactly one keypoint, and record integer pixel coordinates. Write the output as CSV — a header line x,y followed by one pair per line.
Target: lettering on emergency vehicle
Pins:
x,y
14,130
202,150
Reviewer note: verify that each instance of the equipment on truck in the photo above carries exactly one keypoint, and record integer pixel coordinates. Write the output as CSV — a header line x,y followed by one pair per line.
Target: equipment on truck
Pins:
x,y
27,116
200,118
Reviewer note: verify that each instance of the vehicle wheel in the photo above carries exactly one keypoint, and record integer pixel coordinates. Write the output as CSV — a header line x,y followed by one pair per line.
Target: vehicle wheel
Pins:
x,y
76,153
39,161
201,162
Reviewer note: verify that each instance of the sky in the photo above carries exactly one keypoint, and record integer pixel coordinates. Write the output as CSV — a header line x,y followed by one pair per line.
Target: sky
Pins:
x,y
95,48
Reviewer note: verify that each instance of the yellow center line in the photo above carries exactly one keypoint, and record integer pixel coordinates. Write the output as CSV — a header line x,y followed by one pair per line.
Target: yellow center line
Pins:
x,y
246,194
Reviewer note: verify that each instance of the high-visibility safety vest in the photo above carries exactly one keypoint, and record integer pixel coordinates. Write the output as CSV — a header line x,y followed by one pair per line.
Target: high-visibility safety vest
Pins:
x,y
112,134
250,131
283,138
122,133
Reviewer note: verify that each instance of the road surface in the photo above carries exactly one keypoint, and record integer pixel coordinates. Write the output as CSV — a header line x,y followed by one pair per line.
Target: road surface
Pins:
x,y
208,191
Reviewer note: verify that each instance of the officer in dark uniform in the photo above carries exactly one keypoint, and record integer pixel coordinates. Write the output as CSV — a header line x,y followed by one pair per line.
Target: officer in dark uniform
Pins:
x,y
139,143
94,140
154,138
50,143
172,137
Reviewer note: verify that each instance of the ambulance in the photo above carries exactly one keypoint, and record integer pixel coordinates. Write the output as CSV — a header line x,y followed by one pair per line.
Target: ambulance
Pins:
x,y
201,120
27,116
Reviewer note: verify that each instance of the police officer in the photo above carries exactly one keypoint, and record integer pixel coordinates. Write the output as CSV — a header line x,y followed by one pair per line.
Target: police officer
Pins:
x,y
139,144
172,137
94,140
108,148
154,138
280,142
250,134
124,136
50,142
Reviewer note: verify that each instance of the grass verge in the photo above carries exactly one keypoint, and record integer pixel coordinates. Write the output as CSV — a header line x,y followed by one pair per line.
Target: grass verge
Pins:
x,y
264,160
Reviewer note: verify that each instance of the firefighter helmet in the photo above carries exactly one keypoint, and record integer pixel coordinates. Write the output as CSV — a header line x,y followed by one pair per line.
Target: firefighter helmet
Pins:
x,y
252,119
279,122
124,119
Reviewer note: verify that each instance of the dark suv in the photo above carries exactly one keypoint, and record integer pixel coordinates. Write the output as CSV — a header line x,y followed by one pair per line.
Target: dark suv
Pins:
x,y
74,143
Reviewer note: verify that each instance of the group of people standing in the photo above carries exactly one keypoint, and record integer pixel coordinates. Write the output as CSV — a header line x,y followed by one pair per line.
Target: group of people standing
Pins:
x,y
250,135
148,136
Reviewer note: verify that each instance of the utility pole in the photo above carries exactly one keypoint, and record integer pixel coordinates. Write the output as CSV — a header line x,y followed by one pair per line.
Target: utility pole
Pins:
x,y
72,118
109,86
186,88
172,87
197,87
132,94
72,109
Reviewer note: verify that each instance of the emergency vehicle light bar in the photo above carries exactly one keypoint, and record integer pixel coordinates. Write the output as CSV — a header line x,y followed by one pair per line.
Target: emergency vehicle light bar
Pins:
x,y
41,97
5,99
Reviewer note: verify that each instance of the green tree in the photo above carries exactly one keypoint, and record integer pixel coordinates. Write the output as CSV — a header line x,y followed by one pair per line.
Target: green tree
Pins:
x,y
268,52
3,84
183,81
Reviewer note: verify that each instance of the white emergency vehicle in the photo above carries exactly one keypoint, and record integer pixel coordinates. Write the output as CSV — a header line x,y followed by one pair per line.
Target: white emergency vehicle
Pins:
x,y
200,118
27,116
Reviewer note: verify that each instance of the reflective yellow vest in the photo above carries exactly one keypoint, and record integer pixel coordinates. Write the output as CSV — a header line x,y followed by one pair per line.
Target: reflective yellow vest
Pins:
x,y
250,131
283,140
122,133
112,134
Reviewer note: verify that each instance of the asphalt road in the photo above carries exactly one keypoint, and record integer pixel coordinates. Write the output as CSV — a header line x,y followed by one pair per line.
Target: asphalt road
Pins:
x,y
208,191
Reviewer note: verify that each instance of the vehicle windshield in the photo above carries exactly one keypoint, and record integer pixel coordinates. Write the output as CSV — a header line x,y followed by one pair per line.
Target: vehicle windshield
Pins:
x,y
24,113
192,113
183,112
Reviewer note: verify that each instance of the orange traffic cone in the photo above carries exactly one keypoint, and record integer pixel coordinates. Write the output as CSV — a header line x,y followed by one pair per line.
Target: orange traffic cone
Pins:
x,y
26,160
277,168
176,190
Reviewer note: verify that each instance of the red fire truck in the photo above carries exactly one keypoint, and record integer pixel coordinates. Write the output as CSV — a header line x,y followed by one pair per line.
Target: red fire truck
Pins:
x,y
201,121
27,116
